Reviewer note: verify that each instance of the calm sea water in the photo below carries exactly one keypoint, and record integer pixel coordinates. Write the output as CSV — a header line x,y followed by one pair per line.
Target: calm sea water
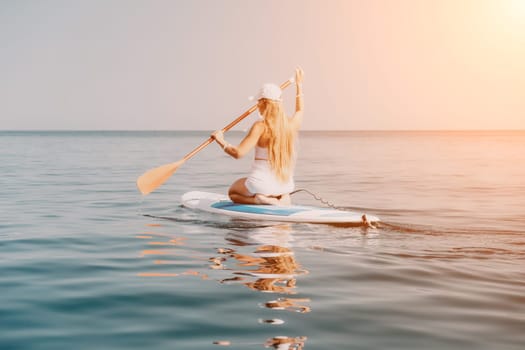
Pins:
x,y
88,263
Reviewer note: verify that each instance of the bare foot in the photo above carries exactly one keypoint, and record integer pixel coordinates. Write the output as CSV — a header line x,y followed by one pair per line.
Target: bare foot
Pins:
x,y
262,199
285,200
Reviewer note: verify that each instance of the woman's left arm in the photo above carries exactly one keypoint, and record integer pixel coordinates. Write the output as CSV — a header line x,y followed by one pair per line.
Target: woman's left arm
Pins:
x,y
249,141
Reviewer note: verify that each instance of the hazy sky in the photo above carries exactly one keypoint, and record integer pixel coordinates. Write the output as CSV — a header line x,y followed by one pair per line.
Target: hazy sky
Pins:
x,y
369,64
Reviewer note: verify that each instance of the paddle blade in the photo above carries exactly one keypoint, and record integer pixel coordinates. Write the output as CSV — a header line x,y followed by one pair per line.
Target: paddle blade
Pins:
x,y
153,178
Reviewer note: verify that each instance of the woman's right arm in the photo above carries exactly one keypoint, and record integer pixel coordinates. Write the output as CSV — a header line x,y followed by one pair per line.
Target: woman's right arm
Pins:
x,y
298,116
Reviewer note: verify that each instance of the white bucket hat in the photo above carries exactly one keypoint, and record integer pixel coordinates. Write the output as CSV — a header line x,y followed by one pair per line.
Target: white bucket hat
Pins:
x,y
269,91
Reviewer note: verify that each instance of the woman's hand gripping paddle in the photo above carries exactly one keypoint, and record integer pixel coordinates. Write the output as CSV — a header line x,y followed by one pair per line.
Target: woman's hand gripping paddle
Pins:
x,y
153,178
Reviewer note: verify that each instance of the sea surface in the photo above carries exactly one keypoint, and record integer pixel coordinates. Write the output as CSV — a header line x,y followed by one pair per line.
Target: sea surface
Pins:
x,y
87,262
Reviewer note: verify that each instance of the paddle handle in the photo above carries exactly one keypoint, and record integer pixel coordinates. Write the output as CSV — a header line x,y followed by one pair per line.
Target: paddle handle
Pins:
x,y
231,125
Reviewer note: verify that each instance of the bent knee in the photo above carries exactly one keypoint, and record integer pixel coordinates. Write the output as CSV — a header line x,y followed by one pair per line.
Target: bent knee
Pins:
x,y
239,188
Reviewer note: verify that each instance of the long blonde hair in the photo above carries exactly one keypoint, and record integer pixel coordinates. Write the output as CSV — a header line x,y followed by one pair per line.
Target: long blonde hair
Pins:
x,y
281,138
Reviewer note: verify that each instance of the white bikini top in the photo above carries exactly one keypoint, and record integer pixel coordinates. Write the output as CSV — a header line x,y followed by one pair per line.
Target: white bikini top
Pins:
x,y
261,153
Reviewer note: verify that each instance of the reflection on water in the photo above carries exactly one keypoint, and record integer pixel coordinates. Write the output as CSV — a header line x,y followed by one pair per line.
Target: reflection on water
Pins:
x,y
269,268
260,259
284,343
288,304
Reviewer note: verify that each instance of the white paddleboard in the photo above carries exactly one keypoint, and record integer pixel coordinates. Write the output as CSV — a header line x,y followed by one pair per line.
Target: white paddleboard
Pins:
x,y
221,204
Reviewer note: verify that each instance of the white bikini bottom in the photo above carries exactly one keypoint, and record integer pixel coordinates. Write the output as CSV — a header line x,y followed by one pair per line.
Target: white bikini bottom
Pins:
x,y
262,180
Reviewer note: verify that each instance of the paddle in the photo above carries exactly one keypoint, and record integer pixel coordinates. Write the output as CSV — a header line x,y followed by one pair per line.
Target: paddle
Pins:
x,y
153,178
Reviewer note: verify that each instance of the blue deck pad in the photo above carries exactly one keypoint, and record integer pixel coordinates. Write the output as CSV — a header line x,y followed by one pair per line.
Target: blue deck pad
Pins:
x,y
259,209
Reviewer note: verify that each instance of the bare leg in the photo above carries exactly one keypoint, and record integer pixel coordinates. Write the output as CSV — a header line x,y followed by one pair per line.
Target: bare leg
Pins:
x,y
282,200
239,193
263,199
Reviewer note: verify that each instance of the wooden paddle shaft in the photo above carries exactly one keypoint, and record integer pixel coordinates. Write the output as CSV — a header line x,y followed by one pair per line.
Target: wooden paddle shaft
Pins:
x,y
231,125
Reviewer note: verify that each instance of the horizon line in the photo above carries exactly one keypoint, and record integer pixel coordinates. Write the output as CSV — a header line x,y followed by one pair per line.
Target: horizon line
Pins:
x,y
238,130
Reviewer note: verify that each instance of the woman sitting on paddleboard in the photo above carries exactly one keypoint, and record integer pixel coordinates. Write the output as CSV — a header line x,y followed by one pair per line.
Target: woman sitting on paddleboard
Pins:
x,y
271,178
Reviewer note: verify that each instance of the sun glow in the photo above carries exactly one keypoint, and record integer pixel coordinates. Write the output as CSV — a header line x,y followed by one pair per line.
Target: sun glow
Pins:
x,y
516,8
512,14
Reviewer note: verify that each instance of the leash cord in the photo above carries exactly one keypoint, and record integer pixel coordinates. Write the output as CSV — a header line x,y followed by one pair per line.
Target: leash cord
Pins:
x,y
331,205
318,198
